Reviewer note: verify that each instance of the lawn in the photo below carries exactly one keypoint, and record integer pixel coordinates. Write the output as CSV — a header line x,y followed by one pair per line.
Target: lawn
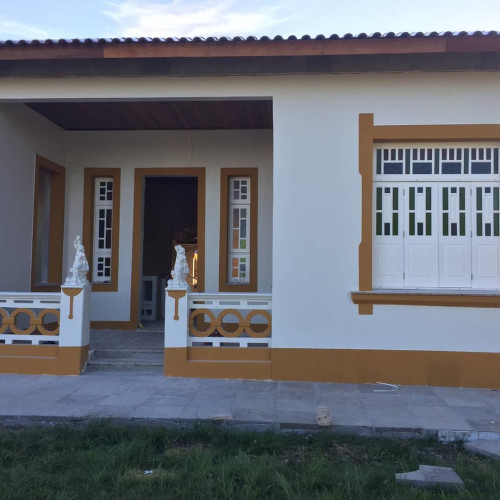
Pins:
x,y
101,461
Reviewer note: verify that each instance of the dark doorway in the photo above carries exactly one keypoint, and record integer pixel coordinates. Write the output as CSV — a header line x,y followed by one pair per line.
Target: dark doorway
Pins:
x,y
170,218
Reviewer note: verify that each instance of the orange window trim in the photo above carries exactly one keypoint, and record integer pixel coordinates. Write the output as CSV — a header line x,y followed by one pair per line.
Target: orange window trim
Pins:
x,y
369,135
226,173
56,234
90,175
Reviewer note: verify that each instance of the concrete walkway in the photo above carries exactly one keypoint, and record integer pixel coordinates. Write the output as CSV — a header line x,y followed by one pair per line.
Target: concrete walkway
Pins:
x,y
448,413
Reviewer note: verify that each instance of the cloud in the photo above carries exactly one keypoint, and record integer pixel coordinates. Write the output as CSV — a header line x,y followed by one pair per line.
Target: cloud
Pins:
x,y
137,18
14,30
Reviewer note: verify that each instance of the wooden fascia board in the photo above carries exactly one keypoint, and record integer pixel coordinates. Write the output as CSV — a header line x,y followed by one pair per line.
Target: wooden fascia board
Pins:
x,y
284,48
278,48
35,52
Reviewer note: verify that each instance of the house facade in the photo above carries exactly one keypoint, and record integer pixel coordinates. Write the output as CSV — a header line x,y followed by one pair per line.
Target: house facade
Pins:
x,y
353,183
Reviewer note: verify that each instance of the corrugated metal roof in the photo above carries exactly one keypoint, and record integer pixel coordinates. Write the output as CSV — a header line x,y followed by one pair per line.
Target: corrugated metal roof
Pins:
x,y
235,39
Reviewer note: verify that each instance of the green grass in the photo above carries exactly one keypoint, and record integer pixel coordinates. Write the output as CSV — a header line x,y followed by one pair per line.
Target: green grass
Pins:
x,y
101,461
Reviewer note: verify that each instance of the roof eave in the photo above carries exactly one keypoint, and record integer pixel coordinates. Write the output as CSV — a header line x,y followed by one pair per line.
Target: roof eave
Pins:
x,y
161,48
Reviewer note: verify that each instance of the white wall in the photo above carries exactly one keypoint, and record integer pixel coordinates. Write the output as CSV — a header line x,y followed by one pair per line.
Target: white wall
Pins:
x,y
23,135
316,179
317,192
160,149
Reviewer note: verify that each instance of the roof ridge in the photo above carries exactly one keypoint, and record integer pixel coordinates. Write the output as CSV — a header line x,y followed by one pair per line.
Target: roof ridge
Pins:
x,y
250,38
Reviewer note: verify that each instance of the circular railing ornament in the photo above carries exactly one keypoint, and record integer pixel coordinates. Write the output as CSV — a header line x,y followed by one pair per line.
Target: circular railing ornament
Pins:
x,y
212,324
248,325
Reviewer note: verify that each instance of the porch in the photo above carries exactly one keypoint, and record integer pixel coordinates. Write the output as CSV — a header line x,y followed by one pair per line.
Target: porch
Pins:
x,y
225,335
132,150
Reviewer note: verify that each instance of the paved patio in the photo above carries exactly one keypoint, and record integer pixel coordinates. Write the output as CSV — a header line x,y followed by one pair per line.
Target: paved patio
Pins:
x,y
136,397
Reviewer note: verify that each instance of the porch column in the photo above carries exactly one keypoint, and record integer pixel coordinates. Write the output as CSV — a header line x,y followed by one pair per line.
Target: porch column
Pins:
x,y
176,328
176,316
74,330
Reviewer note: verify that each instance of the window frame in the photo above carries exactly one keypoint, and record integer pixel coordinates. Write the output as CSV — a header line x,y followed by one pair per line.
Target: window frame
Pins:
x,y
56,231
393,174
226,174
370,135
90,176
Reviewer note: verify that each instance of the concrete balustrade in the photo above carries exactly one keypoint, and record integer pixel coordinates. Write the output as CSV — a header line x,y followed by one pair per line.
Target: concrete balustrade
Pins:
x,y
233,343
31,344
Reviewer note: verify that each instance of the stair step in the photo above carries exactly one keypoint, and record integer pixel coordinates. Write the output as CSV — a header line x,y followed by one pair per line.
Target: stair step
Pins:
x,y
137,359
94,365
129,355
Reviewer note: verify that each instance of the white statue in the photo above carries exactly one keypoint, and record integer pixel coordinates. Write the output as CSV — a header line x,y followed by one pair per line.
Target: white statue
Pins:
x,y
80,266
181,269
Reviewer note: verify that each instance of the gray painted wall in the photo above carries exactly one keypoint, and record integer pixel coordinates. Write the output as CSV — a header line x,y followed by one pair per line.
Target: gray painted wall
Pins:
x,y
23,134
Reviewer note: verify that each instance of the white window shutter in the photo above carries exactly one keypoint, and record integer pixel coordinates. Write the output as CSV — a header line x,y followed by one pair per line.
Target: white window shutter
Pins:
x,y
485,215
388,235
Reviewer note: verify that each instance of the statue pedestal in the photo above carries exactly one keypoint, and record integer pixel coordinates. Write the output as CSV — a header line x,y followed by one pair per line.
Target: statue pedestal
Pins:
x,y
75,316
176,316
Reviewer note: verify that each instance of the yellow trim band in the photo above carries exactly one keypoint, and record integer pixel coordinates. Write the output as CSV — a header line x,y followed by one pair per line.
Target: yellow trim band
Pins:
x,y
43,360
353,366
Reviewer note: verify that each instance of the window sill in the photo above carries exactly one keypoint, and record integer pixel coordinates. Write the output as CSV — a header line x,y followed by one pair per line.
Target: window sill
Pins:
x,y
104,287
46,287
425,297
238,287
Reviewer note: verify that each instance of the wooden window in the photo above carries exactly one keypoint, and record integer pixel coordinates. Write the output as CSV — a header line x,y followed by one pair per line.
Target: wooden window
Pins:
x,y
444,158
48,226
428,230
101,221
238,230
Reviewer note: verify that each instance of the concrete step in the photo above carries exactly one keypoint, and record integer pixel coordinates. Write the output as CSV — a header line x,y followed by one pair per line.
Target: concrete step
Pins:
x,y
132,355
144,360
108,365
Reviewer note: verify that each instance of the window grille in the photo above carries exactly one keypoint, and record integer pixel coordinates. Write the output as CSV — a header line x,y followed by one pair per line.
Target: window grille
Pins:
x,y
103,227
436,216
239,200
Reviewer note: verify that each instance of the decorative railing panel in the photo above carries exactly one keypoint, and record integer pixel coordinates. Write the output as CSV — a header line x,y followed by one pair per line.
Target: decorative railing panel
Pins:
x,y
230,320
29,318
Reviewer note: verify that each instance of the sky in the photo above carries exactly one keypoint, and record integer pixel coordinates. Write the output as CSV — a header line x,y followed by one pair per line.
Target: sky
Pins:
x,y
41,19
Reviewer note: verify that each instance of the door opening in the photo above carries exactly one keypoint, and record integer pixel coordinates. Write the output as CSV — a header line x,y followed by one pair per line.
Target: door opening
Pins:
x,y
170,217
